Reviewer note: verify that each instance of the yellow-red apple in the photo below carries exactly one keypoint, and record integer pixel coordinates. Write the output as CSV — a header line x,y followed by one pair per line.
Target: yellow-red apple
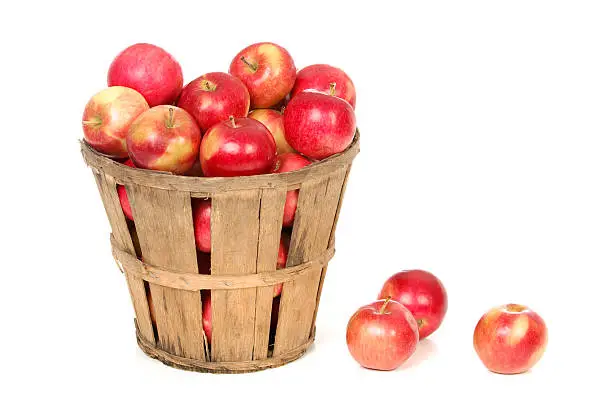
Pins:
x,y
273,120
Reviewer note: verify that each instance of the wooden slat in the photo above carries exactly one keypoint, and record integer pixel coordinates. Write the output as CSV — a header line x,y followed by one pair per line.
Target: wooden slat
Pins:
x,y
164,225
314,220
234,234
330,244
270,226
121,233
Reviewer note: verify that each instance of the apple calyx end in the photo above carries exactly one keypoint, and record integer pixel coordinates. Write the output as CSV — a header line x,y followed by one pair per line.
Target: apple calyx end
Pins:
x,y
252,66
384,305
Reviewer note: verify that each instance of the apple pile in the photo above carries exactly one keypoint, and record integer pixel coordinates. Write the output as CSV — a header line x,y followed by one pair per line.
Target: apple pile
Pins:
x,y
263,116
411,305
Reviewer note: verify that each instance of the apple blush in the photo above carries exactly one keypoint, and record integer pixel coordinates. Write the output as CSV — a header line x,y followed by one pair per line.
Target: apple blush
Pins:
x,y
107,119
237,147
382,335
214,97
421,293
150,70
268,72
510,339
319,125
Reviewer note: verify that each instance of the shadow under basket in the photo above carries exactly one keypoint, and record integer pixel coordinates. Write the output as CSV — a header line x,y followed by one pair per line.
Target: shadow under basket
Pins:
x,y
157,253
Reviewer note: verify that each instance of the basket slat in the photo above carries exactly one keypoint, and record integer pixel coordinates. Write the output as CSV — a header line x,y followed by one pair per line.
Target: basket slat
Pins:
x,y
165,229
270,226
234,233
314,220
110,198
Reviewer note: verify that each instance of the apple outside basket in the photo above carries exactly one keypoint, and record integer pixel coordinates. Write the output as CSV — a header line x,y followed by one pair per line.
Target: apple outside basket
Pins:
x,y
157,254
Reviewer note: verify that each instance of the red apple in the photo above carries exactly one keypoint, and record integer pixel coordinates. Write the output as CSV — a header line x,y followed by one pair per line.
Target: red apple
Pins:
x,y
123,197
268,72
107,119
213,98
281,262
207,316
423,294
237,147
510,339
382,335
201,223
273,120
164,138
150,70
319,125
286,163
322,78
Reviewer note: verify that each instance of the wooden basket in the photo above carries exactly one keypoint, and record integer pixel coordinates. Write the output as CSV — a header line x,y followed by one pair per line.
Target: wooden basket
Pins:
x,y
157,254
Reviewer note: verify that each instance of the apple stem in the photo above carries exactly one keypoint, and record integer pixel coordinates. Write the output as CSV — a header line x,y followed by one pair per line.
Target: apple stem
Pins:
x,y
384,306
171,117
251,66
232,121
332,88
96,122
207,85
282,111
420,322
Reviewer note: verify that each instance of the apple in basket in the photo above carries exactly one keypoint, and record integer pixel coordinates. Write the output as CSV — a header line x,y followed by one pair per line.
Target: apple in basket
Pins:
x,y
237,147
286,163
150,70
107,119
510,339
273,120
321,77
319,125
123,197
382,335
422,293
268,72
164,138
214,97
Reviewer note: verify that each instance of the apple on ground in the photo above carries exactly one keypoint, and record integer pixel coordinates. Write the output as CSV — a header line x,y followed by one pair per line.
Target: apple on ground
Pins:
x,y
286,163
273,120
319,125
213,98
164,138
237,147
150,70
382,335
322,78
107,119
421,293
123,196
510,339
268,72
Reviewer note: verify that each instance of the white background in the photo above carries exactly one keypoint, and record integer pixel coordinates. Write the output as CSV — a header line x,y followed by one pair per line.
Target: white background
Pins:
x,y
486,159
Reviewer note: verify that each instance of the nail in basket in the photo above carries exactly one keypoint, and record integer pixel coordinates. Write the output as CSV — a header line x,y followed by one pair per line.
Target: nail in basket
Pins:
x,y
157,254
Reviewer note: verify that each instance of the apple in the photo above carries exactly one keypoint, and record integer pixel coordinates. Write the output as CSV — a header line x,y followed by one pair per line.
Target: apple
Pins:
x,y
319,125
150,70
422,293
201,223
382,335
207,316
273,120
213,98
268,72
285,163
510,339
123,197
164,138
237,147
322,78
107,119
281,262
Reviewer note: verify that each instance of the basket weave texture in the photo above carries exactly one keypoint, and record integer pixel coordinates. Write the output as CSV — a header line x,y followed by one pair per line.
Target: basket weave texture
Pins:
x,y
157,254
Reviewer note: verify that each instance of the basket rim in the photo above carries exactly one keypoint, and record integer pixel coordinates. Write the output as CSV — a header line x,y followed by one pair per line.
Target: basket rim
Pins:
x,y
124,174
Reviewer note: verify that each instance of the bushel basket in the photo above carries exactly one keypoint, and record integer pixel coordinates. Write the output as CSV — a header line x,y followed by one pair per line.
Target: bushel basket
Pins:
x,y
157,253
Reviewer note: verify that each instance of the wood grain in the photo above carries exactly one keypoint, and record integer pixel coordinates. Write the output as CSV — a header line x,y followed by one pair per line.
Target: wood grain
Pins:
x,y
234,234
121,233
270,226
165,229
311,231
